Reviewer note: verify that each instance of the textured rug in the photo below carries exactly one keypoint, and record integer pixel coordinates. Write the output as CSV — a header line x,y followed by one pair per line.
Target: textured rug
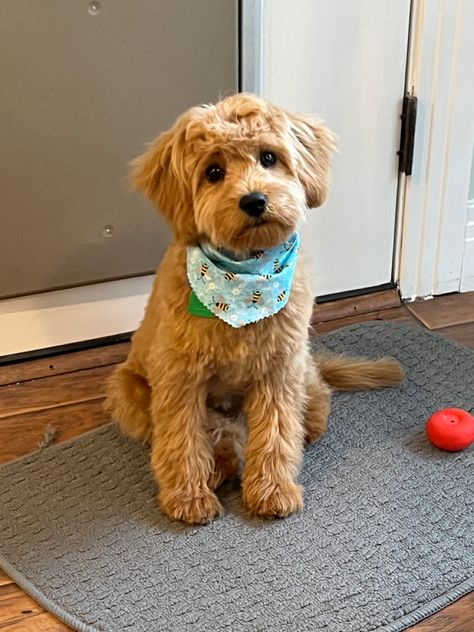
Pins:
x,y
385,539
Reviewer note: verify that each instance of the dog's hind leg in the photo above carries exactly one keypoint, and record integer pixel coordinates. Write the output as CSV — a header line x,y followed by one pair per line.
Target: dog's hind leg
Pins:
x,y
128,400
318,403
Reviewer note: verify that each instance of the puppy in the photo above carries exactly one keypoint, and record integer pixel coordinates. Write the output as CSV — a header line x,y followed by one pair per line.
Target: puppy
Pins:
x,y
213,385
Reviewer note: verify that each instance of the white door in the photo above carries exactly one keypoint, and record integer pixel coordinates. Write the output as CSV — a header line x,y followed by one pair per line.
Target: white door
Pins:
x,y
345,60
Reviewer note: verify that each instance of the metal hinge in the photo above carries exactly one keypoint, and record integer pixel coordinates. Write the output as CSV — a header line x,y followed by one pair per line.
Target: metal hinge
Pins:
x,y
407,135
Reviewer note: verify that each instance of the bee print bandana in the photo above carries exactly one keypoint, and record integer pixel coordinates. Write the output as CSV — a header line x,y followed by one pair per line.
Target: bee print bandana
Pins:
x,y
240,292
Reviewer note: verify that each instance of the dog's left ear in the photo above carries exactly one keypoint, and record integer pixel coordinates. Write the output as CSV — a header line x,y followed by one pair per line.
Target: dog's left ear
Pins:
x,y
163,174
314,144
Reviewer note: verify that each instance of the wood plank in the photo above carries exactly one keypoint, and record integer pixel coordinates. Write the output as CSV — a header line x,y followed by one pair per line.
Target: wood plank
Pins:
x,y
458,617
4,579
64,363
400,314
15,605
49,392
21,434
364,304
43,622
461,333
445,311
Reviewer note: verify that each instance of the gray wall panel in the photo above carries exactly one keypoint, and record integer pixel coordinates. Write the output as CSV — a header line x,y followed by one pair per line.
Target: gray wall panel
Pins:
x,y
81,91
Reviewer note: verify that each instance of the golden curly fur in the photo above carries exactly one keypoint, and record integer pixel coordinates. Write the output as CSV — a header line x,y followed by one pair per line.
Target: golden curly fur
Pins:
x,y
207,396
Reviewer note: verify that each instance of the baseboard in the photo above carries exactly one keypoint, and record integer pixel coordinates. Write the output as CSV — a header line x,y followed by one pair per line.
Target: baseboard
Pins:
x,y
326,298
39,323
72,347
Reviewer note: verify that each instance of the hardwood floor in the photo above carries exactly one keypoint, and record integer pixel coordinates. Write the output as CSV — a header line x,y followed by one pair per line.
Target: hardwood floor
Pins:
x,y
61,396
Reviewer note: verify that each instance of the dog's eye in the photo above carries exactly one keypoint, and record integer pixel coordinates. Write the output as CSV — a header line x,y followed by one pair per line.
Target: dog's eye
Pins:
x,y
268,158
214,173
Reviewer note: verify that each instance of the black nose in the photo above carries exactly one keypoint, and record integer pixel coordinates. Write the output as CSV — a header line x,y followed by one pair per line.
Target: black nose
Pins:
x,y
254,204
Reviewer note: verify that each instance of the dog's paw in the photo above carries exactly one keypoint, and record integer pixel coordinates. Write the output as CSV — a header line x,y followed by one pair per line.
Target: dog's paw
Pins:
x,y
199,506
278,501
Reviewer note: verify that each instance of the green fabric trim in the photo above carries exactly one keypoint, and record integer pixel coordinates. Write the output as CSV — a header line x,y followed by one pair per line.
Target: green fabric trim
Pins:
x,y
196,308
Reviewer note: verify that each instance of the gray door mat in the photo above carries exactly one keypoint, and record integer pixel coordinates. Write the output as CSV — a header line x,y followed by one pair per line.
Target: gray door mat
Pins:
x,y
385,538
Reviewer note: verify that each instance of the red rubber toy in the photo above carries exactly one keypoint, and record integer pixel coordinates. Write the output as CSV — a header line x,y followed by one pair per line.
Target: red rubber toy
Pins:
x,y
451,429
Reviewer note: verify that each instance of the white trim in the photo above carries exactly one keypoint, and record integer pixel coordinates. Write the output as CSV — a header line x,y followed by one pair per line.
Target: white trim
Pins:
x,y
66,316
467,276
467,284
251,53
433,200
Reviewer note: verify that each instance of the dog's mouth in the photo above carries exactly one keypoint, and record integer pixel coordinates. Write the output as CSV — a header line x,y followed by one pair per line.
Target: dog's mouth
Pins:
x,y
260,221
270,222
262,232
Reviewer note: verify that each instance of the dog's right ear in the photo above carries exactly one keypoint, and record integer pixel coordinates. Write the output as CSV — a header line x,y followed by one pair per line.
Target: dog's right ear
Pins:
x,y
162,175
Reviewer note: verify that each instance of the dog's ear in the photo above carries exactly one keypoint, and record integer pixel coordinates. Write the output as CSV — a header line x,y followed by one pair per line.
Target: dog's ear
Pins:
x,y
314,144
162,174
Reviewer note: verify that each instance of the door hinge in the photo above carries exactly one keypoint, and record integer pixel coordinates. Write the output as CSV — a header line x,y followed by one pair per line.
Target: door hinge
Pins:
x,y
407,134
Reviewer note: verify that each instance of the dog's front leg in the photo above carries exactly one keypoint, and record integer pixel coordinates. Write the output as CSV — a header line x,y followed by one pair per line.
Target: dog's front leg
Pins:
x,y
275,444
182,459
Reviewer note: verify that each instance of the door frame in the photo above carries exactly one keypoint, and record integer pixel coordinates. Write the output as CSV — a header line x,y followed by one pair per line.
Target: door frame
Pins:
x,y
433,201
251,45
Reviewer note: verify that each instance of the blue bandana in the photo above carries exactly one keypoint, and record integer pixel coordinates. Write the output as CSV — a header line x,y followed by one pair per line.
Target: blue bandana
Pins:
x,y
240,292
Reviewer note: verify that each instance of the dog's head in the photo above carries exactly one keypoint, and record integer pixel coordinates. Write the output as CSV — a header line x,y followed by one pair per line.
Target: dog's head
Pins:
x,y
240,173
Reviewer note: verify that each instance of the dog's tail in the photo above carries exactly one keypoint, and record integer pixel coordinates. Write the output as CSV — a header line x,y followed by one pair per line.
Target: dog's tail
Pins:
x,y
358,374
